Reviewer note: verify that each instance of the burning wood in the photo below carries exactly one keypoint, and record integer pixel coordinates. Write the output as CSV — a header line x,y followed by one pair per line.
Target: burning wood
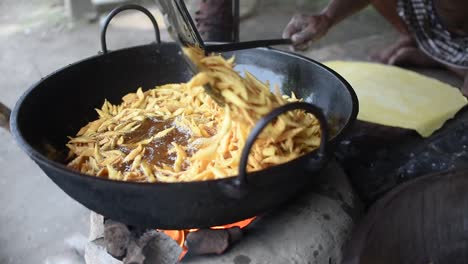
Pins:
x,y
212,241
207,241
161,249
215,240
117,238
135,246
134,254
235,234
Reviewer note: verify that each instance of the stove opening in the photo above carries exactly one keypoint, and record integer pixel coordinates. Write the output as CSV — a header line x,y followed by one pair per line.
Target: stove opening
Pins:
x,y
214,240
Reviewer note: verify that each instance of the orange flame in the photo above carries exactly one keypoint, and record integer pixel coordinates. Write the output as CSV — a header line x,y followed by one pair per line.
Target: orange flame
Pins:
x,y
180,235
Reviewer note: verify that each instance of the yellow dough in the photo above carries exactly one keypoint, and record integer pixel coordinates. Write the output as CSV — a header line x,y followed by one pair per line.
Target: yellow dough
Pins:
x,y
397,97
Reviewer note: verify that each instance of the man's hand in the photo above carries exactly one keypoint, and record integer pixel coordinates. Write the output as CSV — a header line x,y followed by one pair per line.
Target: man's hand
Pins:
x,y
304,29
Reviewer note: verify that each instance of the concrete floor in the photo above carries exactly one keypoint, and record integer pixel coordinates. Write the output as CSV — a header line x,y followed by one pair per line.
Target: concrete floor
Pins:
x,y
37,219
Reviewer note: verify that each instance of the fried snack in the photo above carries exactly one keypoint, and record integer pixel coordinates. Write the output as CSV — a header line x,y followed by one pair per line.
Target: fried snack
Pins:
x,y
177,132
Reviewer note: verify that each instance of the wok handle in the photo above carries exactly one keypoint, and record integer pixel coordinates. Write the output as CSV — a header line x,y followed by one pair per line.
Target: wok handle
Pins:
x,y
123,8
246,45
239,188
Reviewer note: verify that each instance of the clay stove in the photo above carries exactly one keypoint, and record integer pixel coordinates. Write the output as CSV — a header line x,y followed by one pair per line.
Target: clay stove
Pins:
x,y
312,229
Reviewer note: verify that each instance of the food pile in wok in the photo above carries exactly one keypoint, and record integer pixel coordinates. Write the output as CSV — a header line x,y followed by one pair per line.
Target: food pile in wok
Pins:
x,y
177,132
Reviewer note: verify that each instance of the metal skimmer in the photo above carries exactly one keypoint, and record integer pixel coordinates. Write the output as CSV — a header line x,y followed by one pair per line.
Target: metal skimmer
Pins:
x,y
183,30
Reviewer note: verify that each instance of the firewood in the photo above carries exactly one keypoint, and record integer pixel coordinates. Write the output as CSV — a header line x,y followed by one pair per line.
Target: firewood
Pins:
x,y
207,241
117,238
159,248
134,254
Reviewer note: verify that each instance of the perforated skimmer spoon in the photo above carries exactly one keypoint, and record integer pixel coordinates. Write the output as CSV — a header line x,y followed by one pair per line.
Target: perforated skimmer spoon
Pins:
x,y
183,30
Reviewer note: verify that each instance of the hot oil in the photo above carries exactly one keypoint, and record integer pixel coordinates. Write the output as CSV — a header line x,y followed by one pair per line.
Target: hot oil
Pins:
x,y
157,152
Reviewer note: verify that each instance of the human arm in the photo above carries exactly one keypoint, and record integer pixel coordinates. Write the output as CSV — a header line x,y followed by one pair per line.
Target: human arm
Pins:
x,y
305,28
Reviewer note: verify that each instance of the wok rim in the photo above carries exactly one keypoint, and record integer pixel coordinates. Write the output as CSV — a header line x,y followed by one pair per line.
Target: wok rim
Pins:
x,y
61,168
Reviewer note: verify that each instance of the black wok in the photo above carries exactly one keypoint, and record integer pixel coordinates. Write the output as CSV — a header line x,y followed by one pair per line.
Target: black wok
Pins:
x,y
60,104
